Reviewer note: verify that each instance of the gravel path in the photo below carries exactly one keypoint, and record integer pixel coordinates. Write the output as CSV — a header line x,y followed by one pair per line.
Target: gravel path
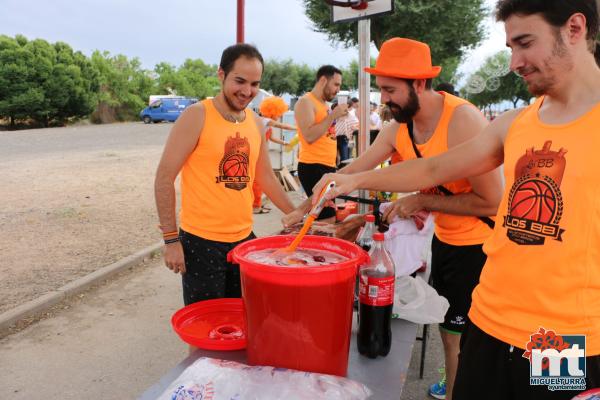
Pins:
x,y
73,200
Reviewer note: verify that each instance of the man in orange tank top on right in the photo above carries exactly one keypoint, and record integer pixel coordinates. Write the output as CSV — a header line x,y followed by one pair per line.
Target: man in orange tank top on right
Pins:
x,y
534,323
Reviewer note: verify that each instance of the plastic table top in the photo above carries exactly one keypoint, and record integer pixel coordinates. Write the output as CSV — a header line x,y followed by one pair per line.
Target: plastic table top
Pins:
x,y
385,376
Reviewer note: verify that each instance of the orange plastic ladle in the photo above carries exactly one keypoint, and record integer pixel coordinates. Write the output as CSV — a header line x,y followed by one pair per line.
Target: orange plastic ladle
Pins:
x,y
312,215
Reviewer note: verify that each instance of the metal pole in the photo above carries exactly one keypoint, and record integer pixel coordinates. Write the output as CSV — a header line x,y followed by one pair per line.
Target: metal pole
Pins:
x,y
364,90
240,21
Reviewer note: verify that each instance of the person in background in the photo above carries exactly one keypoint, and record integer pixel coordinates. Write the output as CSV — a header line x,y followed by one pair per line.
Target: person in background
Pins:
x,y
386,115
344,126
318,147
271,109
374,117
446,87
374,123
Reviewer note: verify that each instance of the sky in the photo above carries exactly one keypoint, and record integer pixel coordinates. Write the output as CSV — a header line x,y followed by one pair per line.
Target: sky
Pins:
x,y
173,30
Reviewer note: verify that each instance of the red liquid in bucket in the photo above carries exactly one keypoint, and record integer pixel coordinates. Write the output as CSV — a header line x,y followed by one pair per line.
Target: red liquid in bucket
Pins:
x,y
299,317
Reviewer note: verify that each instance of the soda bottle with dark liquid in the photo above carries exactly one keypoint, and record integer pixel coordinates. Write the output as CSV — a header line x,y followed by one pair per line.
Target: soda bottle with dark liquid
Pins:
x,y
365,241
376,297
365,236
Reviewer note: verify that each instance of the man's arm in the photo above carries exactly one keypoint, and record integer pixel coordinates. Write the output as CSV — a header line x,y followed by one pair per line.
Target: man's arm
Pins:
x,y
486,192
379,151
181,142
305,119
481,154
280,125
277,140
266,178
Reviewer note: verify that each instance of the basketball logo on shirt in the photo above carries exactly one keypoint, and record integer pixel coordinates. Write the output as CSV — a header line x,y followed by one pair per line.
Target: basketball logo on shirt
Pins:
x,y
535,204
233,168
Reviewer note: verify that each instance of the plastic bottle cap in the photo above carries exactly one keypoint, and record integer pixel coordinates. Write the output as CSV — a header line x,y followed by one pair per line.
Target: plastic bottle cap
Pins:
x,y
378,236
370,218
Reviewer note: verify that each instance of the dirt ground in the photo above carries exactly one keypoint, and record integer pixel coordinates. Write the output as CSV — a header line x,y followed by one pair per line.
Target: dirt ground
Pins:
x,y
73,200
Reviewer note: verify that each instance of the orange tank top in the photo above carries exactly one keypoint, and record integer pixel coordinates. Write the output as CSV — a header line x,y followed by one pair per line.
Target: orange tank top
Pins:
x,y
456,230
323,150
217,177
543,265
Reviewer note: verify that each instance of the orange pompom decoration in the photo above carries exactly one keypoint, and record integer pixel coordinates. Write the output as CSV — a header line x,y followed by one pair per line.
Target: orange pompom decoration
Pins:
x,y
273,107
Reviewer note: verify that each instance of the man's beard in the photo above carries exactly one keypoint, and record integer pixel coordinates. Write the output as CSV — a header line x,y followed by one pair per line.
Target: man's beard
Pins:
x,y
328,95
231,104
544,84
405,114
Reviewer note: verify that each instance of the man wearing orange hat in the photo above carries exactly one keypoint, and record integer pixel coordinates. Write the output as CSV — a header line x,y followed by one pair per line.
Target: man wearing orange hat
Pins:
x,y
534,323
428,123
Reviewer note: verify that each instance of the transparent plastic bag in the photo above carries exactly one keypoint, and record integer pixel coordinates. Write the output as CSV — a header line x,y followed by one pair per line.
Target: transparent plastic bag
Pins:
x,y
212,379
416,301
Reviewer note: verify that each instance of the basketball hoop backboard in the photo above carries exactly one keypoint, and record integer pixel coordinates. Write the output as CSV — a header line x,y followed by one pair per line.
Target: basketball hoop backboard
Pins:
x,y
356,9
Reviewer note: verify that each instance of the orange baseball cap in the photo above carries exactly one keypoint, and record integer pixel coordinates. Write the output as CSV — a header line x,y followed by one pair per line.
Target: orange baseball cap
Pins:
x,y
405,59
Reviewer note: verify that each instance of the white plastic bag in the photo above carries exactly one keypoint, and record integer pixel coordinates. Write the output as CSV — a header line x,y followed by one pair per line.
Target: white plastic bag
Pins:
x,y
408,244
416,301
212,379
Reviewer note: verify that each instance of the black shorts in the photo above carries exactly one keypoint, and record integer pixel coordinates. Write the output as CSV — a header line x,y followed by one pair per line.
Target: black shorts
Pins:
x,y
455,272
309,175
208,275
494,370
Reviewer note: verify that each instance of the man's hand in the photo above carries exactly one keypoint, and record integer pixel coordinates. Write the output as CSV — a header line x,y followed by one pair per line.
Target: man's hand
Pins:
x,y
292,218
173,254
404,207
349,228
344,184
340,110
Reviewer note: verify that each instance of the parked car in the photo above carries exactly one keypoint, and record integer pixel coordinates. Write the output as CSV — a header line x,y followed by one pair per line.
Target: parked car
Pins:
x,y
166,109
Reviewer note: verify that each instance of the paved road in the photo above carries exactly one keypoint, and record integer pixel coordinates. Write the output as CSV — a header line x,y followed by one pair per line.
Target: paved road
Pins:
x,y
29,144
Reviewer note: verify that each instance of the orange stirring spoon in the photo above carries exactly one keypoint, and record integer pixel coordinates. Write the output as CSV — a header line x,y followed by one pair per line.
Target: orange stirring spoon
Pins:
x,y
312,215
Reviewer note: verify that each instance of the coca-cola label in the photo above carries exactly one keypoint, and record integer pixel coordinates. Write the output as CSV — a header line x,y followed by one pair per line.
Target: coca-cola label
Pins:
x,y
376,291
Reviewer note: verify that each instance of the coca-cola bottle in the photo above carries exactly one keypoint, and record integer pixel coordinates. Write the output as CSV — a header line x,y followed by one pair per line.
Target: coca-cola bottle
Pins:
x,y
376,296
365,236
365,241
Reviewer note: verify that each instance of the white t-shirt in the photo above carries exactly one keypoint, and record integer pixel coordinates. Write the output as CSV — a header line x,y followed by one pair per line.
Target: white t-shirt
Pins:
x,y
265,121
375,120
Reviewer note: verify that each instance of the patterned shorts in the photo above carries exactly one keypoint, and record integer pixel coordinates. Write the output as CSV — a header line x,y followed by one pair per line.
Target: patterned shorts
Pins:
x,y
208,274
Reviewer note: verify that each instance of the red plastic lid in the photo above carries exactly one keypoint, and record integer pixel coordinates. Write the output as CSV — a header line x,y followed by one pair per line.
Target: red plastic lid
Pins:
x,y
380,237
218,324
370,218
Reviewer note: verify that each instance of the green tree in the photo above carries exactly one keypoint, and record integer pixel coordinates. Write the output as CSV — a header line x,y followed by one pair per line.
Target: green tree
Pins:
x,y
18,94
306,79
194,79
280,77
350,76
449,27
124,87
201,79
44,82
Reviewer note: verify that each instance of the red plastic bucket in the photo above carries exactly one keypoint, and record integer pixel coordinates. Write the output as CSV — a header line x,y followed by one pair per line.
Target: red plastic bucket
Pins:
x,y
299,317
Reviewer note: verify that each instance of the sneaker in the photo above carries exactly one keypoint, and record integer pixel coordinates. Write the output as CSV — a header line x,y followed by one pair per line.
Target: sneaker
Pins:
x,y
438,390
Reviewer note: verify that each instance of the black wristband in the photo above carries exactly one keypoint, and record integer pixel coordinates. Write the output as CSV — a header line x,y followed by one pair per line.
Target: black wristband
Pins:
x,y
172,240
